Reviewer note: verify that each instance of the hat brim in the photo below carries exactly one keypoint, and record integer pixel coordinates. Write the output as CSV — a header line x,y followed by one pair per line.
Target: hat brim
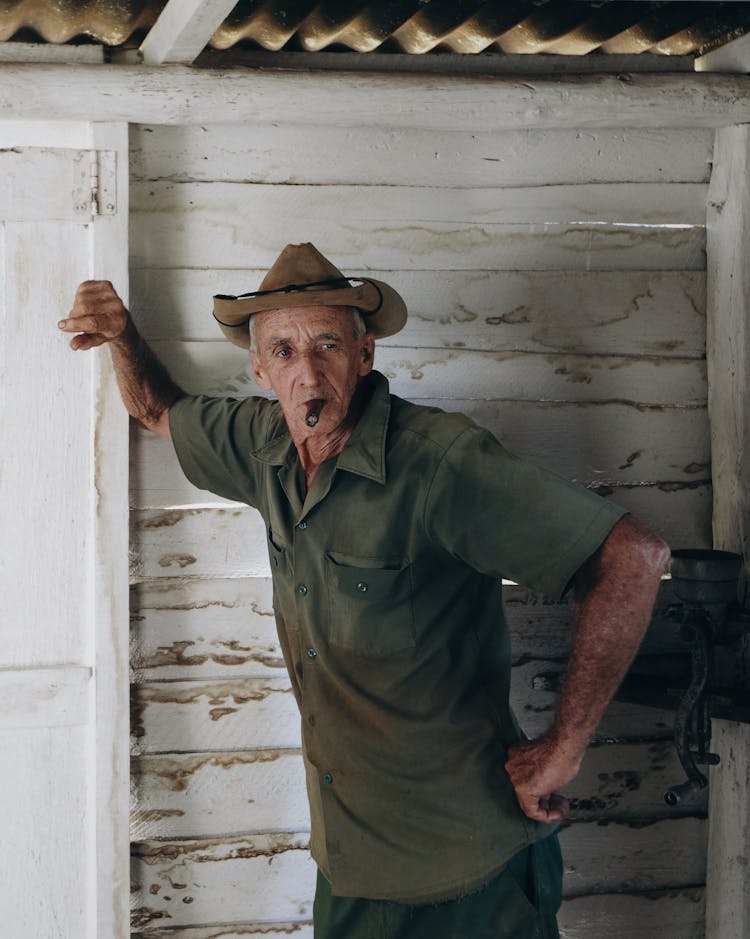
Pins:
x,y
382,308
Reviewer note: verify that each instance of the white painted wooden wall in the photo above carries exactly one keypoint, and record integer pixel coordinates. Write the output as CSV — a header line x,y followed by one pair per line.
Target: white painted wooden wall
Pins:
x,y
556,286
63,498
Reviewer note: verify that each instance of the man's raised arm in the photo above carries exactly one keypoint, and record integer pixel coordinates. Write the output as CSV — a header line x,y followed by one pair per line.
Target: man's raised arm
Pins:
x,y
99,316
614,597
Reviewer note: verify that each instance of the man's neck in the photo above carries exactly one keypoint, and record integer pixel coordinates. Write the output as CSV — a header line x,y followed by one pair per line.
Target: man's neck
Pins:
x,y
314,449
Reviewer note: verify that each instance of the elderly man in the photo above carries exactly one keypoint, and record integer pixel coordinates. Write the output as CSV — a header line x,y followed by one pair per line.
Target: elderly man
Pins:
x,y
390,527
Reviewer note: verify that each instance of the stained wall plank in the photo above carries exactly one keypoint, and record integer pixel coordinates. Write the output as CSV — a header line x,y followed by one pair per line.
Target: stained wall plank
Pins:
x,y
234,714
189,882
162,237
188,628
658,313
573,440
457,374
207,795
237,713
231,541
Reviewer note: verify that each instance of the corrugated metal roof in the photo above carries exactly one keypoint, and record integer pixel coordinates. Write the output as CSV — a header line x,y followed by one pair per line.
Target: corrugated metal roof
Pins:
x,y
410,26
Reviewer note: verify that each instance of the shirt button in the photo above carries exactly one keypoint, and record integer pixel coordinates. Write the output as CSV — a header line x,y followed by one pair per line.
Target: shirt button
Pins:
x,y
312,654
302,590
328,778
362,587
302,526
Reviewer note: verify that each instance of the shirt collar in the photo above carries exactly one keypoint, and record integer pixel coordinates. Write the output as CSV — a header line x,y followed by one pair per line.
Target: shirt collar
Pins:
x,y
364,453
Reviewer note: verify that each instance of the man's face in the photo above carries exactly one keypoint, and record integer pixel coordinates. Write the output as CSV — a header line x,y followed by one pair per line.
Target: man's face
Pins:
x,y
308,357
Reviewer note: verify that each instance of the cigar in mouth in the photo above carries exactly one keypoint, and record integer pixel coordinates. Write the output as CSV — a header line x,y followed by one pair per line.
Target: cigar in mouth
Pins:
x,y
313,413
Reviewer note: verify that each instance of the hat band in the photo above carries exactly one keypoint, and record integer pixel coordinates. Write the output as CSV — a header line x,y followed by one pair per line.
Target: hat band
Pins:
x,y
333,283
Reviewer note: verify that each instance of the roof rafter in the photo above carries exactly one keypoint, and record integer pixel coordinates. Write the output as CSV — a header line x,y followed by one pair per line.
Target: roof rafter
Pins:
x,y
183,30
733,57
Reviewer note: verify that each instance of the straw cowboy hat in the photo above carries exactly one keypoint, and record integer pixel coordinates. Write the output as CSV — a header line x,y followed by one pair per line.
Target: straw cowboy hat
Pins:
x,y
302,277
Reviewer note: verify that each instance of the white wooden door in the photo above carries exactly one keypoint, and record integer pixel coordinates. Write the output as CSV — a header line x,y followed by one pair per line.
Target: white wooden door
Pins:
x,y
63,587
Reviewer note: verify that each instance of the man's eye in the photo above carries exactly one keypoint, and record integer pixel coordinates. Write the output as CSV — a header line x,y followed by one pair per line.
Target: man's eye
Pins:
x,y
329,345
283,353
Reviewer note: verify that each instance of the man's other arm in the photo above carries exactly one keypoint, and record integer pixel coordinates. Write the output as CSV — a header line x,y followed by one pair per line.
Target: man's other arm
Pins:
x,y
614,594
98,316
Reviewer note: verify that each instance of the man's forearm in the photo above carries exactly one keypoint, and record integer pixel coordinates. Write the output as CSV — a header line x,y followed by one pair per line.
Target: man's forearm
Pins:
x,y
99,316
614,599
146,387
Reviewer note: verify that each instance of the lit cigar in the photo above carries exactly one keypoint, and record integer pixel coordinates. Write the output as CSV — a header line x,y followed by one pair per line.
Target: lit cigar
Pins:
x,y
313,413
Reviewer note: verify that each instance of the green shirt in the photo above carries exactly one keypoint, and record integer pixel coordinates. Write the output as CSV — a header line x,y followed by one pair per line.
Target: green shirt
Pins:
x,y
387,596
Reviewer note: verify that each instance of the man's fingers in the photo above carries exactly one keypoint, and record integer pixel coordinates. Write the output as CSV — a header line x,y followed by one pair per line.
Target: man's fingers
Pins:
x,y
552,808
87,341
87,323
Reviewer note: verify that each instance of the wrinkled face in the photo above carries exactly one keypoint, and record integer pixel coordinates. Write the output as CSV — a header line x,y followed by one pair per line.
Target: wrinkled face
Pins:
x,y
310,359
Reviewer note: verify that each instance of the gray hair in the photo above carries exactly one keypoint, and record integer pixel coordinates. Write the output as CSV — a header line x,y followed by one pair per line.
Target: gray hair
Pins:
x,y
358,324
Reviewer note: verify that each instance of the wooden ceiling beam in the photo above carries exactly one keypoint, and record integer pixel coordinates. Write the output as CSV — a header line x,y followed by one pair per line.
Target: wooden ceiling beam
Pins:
x,y
181,95
183,30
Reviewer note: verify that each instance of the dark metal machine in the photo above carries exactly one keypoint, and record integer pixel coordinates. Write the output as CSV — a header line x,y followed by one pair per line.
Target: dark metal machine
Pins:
x,y
705,584
703,675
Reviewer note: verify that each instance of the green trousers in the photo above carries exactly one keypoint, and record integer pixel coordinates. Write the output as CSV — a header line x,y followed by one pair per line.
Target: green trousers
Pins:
x,y
521,902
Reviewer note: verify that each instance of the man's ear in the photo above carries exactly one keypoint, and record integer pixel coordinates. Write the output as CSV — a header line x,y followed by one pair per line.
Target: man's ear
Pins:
x,y
259,373
367,354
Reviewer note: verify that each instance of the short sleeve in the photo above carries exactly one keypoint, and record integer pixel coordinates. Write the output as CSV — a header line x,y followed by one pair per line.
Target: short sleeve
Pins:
x,y
510,518
214,439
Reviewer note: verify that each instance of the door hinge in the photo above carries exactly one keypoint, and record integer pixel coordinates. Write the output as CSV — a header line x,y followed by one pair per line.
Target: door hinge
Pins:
x,y
96,188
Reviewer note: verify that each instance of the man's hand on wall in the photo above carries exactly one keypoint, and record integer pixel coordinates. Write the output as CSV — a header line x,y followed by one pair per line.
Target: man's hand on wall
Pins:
x,y
98,315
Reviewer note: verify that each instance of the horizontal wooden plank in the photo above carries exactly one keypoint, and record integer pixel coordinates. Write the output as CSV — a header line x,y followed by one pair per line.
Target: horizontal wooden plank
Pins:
x,y
207,795
231,541
231,225
668,204
284,153
183,95
250,713
575,441
659,313
224,628
445,375
183,883
45,697
234,714
303,929
188,883
670,914
204,629
628,856
211,542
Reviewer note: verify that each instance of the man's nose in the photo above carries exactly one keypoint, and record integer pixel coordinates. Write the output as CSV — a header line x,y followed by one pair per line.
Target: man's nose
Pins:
x,y
309,369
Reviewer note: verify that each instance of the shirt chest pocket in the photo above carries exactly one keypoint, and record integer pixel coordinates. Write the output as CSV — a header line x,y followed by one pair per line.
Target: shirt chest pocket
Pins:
x,y
370,605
